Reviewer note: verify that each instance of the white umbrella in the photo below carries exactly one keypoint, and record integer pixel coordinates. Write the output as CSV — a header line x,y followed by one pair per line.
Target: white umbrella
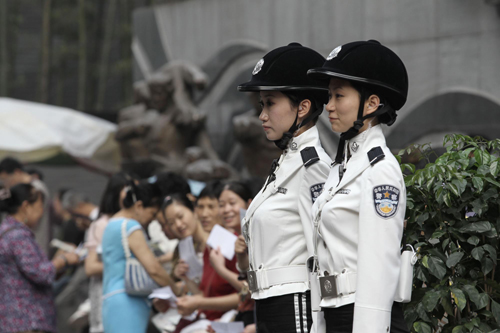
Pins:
x,y
34,132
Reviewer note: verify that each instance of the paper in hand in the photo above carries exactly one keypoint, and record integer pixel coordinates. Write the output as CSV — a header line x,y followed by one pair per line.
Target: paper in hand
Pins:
x,y
220,237
232,327
188,254
165,293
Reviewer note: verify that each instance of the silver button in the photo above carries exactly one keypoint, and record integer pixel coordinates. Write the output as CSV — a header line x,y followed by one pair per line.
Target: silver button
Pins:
x,y
387,329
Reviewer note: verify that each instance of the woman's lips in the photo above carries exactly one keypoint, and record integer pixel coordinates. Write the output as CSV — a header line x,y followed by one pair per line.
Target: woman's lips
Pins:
x,y
265,127
333,119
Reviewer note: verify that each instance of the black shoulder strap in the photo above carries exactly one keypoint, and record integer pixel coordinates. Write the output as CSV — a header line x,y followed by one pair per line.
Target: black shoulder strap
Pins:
x,y
309,156
375,155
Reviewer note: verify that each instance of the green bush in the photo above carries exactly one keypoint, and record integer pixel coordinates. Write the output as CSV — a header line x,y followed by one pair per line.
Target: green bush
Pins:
x,y
453,218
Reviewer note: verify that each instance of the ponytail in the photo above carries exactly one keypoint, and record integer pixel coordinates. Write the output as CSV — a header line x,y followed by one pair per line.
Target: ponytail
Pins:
x,y
147,192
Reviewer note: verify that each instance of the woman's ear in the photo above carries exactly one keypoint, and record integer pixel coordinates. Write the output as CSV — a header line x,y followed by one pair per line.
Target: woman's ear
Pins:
x,y
372,104
304,108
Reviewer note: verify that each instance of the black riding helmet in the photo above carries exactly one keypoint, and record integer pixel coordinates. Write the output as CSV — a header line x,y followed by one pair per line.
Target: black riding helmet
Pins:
x,y
371,67
285,69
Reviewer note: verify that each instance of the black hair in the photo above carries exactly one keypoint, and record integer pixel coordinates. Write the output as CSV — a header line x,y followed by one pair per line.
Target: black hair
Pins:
x,y
212,190
11,199
389,117
9,165
317,98
170,182
179,198
34,171
110,202
240,188
145,191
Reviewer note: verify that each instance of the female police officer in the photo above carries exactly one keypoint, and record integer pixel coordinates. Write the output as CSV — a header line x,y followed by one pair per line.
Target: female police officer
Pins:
x,y
360,214
278,221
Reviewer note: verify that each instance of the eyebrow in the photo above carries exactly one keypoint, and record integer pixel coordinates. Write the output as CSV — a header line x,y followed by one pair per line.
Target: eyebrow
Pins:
x,y
269,95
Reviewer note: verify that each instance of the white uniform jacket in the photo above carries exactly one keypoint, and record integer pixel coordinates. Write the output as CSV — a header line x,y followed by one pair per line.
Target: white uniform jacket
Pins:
x,y
360,230
278,228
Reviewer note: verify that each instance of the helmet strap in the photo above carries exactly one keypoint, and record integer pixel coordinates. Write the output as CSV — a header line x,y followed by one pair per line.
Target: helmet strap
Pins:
x,y
288,135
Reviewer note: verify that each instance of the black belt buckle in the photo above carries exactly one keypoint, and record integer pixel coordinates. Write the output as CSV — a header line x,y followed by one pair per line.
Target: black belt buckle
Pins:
x,y
252,281
328,286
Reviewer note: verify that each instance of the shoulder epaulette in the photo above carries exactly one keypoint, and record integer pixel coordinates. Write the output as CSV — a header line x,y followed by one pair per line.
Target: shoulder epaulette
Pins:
x,y
375,155
309,156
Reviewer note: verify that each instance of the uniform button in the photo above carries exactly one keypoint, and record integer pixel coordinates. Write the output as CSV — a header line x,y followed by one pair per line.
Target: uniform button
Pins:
x,y
387,329
260,266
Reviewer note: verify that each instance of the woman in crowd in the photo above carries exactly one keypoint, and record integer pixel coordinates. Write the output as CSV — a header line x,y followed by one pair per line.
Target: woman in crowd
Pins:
x,y
277,226
26,300
111,203
123,312
360,214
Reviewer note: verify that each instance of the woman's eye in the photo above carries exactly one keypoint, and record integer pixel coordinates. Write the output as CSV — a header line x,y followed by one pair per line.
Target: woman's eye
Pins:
x,y
338,95
269,103
261,104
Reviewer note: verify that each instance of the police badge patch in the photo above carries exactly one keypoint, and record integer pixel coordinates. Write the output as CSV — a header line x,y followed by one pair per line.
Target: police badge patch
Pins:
x,y
386,200
316,191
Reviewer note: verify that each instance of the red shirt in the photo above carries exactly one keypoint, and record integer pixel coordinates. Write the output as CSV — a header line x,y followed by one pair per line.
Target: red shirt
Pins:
x,y
213,285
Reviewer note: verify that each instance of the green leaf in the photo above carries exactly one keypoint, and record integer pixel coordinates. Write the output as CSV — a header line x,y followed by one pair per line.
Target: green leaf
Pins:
x,y
478,155
487,265
461,184
437,267
482,301
445,243
454,189
478,227
438,234
469,326
494,168
495,308
474,240
447,199
471,292
425,261
477,253
422,312
491,250
478,183
421,327
494,182
458,329
446,303
454,258
459,297
430,300
483,170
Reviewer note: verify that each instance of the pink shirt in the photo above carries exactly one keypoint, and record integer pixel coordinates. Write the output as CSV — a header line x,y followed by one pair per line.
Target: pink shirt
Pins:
x,y
96,230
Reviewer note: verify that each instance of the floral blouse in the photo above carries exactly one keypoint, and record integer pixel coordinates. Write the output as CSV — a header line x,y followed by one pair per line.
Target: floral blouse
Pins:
x,y
26,276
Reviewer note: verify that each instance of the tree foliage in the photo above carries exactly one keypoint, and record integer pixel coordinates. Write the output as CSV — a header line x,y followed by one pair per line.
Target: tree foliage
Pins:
x,y
453,218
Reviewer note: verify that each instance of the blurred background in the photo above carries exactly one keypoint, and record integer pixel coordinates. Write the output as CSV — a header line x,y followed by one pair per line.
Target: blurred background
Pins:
x,y
89,87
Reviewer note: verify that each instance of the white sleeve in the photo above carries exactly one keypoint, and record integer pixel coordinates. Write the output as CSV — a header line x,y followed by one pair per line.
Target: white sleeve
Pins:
x,y
381,220
310,188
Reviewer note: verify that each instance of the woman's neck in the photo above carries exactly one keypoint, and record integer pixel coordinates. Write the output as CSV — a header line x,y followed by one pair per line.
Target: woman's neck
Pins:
x,y
303,129
20,217
200,237
128,213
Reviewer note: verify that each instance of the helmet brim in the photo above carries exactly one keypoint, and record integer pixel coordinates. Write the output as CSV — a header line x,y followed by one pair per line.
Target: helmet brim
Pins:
x,y
255,86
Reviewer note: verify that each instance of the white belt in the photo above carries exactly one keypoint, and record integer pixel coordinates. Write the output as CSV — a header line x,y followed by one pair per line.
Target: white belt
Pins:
x,y
268,277
338,284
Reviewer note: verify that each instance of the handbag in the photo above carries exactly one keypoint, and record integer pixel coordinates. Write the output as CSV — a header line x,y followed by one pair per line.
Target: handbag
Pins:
x,y
137,280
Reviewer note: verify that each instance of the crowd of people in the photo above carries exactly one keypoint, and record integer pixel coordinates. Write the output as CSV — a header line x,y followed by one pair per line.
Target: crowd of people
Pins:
x,y
316,249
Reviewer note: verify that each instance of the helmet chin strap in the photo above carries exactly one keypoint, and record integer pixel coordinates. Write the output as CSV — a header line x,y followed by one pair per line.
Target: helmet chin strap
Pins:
x,y
354,130
288,135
